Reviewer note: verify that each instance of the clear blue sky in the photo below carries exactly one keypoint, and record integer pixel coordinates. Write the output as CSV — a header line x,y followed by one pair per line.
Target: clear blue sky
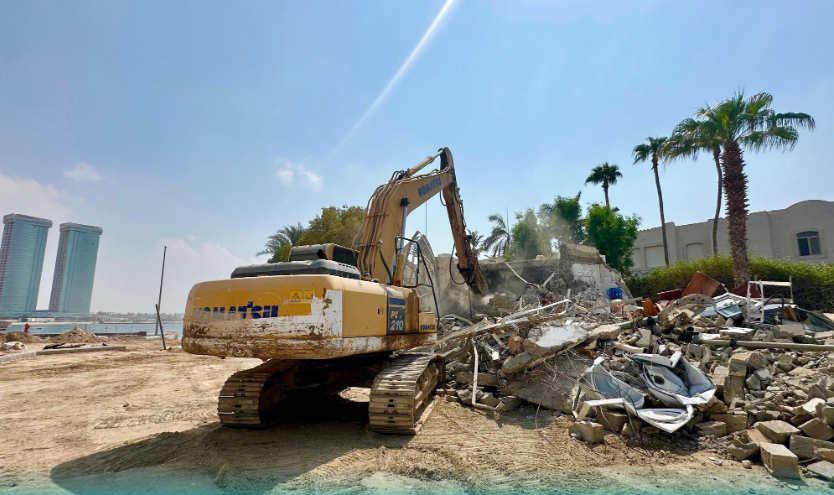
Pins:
x,y
207,125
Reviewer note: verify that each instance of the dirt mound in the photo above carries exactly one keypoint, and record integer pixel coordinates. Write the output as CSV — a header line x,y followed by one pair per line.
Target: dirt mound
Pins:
x,y
26,338
76,335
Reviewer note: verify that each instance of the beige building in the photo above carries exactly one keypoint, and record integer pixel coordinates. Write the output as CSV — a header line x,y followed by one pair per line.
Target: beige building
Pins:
x,y
804,231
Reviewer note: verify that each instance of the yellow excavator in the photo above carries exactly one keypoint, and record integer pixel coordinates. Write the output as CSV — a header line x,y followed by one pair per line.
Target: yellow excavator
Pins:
x,y
331,317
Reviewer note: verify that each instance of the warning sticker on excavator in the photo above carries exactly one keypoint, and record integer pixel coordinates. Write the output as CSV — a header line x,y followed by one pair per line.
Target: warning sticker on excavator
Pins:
x,y
301,296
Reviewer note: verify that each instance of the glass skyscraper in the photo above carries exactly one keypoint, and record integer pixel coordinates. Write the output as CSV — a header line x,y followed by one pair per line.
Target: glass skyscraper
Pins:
x,y
75,269
21,263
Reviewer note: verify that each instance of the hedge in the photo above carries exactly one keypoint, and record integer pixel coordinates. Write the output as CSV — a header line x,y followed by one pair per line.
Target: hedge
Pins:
x,y
813,283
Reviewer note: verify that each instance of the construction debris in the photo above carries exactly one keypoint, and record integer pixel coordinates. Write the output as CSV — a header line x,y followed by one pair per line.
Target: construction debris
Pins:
x,y
747,375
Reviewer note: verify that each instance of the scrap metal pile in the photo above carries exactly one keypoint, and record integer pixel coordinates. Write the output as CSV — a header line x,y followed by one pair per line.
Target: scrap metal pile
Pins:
x,y
740,374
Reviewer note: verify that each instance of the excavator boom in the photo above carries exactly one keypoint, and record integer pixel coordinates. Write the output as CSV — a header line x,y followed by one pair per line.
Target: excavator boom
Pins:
x,y
380,251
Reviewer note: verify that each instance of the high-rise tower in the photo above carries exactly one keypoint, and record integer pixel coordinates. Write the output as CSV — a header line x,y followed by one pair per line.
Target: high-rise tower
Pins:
x,y
21,263
75,269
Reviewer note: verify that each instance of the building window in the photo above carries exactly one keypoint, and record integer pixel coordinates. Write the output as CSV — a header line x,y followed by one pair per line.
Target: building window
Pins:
x,y
809,243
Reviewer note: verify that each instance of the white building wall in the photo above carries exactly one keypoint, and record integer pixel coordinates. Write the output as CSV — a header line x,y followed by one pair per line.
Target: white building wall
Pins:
x,y
769,233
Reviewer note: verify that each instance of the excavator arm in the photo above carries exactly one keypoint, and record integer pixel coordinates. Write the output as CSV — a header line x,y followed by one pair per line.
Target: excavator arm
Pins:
x,y
381,254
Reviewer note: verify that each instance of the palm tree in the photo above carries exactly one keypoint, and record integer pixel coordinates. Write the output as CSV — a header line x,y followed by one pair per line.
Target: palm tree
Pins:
x,y
688,139
568,209
476,240
286,236
498,241
658,149
606,175
749,123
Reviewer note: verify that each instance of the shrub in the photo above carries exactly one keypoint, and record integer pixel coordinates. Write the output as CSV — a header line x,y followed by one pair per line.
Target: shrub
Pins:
x,y
813,283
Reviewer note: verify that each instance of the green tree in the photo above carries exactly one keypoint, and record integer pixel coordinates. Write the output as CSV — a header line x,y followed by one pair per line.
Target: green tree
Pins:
x,y
527,237
747,122
606,175
564,214
688,139
279,244
498,240
340,225
657,149
613,234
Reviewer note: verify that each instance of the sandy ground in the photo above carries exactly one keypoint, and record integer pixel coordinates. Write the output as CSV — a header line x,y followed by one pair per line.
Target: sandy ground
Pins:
x,y
143,421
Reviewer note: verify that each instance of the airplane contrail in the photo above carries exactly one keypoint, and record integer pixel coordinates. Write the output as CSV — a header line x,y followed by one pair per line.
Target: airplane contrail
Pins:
x,y
394,80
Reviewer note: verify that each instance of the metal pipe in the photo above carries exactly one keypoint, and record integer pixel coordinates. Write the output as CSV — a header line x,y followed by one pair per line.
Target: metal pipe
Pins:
x,y
161,279
749,344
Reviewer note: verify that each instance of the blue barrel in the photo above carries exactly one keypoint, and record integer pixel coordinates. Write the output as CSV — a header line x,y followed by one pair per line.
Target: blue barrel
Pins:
x,y
615,293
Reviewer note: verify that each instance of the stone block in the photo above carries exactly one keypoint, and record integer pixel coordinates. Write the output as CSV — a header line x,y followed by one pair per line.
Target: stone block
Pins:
x,y
755,436
489,400
733,388
712,429
763,375
589,431
806,448
738,365
736,421
743,451
753,383
810,407
826,414
825,454
484,379
788,331
511,403
823,469
785,362
817,429
612,420
780,461
777,431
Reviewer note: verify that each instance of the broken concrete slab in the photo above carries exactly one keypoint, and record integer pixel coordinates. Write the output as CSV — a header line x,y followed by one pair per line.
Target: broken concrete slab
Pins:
x,y
777,431
805,447
817,429
823,469
612,420
742,451
588,431
484,379
826,413
712,429
825,454
541,387
779,461
735,421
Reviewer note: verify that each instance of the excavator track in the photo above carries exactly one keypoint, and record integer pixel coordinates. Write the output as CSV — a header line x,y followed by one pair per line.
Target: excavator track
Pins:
x,y
247,397
401,392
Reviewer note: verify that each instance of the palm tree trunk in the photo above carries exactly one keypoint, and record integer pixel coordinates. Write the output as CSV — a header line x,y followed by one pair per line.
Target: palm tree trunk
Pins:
x,y
605,188
662,216
735,186
716,154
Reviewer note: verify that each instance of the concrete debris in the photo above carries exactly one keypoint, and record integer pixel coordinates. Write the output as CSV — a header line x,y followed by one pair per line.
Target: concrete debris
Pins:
x,y
779,461
823,469
749,375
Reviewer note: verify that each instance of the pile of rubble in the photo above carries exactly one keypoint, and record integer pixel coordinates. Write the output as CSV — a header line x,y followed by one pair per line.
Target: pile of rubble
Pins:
x,y
77,336
738,373
26,338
